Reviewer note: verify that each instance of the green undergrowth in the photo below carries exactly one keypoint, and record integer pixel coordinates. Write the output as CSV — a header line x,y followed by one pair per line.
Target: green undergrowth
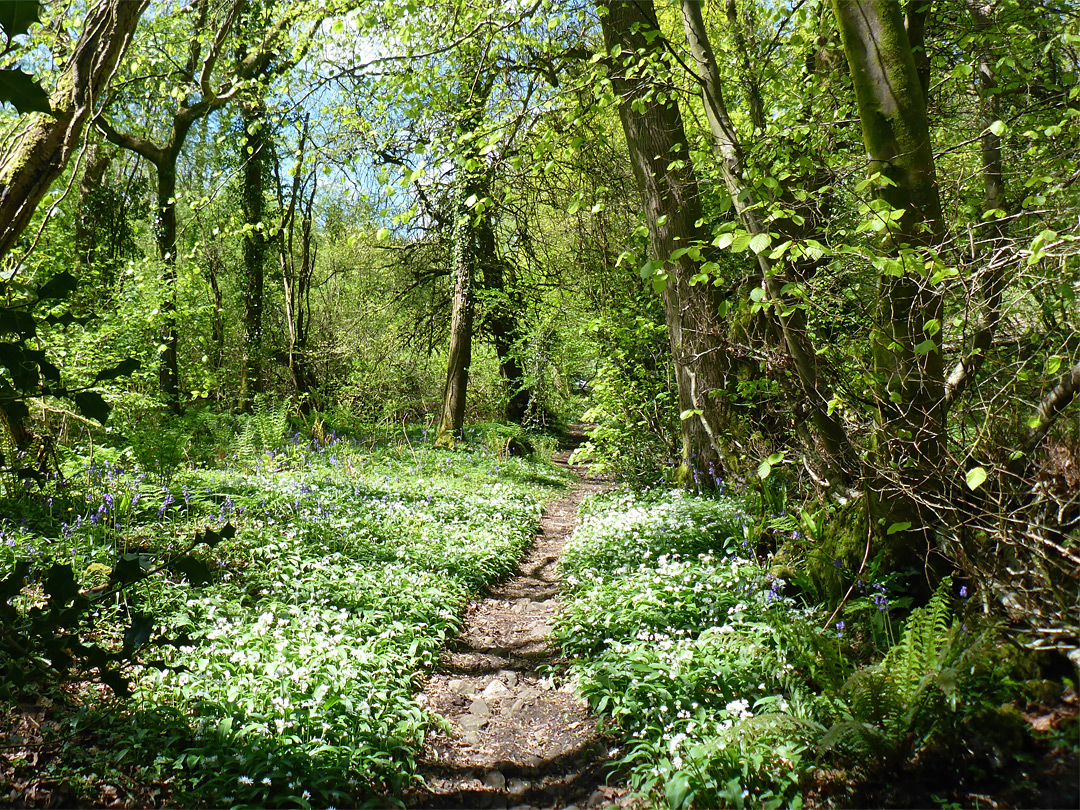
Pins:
x,y
288,678
730,690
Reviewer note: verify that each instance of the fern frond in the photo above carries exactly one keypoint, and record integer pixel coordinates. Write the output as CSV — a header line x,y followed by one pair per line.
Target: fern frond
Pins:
x,y
851,739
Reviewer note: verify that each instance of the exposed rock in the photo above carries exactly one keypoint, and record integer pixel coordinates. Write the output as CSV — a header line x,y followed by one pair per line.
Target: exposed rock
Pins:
x,y
496,690
471,722
494,780
527,694
458,685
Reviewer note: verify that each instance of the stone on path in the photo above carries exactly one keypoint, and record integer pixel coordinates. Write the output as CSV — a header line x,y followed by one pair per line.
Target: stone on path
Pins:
x,y
494,780
471,722
496,690
458,685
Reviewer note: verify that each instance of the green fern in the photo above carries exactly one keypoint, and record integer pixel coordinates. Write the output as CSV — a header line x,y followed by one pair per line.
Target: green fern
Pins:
x,y
923,648
905,695
263,429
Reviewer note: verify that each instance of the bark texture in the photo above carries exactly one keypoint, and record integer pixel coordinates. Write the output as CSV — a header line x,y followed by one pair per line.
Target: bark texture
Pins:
x,y
653,125
452,417
254,163
907,352
49,140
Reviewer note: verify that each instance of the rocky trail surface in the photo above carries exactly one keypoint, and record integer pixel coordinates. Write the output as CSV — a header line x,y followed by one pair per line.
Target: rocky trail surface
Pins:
x,y
517,738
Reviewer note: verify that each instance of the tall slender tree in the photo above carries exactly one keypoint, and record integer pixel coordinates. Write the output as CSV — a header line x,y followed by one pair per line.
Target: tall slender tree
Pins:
x,y
908,361
204,82
659,153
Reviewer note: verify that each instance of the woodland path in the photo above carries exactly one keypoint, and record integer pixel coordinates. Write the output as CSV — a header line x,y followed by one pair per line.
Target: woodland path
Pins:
x,y
517,739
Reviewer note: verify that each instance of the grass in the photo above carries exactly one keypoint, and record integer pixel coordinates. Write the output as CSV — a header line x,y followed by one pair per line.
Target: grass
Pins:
x,y
291,677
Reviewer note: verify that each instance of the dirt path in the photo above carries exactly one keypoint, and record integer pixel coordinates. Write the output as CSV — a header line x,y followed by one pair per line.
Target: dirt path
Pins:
x,y
516,739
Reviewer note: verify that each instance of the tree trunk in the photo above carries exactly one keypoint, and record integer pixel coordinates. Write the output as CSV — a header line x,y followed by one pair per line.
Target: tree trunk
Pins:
x,y
840,459
504,307
296,280
476,84
254,156
86,233
212,265
44,149
169,367
907,353
452,418
668,184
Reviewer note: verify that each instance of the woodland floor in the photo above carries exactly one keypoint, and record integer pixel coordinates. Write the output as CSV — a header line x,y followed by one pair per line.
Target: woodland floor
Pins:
x,y
516,738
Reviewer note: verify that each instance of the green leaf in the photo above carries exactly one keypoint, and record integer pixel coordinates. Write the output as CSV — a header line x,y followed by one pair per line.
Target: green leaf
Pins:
x,y
142,626
649,269
117,682
382,234
898,527
60,584
689,412
976,477
926,347
21,91
121,369
16,321
757,294
193,568
128,569
999,128
92,405
13,582
764,470
59,286
16,16
760,242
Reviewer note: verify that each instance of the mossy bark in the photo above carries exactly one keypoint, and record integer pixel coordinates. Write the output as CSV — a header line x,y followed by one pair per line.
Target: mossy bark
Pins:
x,y
49,140
910,391
253,157
459,359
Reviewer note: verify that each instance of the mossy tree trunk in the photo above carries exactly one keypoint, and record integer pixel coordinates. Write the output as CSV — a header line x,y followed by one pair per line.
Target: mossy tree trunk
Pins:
x,y
452,417
43,150
910,391
470,202
253,156
502,320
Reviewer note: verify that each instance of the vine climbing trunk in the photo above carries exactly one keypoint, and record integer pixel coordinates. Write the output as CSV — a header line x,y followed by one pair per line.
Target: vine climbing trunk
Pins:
x,y
504,305
470,202
255,157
